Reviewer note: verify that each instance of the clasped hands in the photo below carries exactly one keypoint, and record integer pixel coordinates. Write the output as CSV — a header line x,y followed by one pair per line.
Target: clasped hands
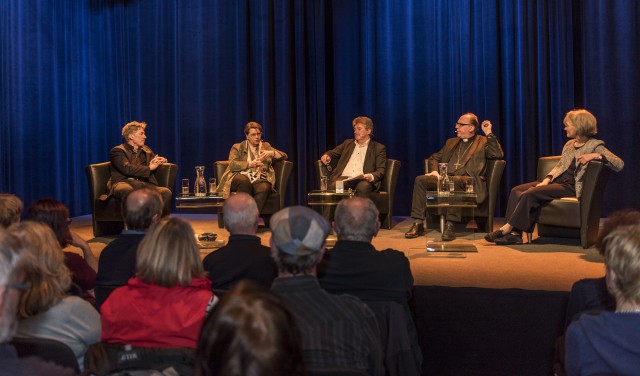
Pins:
x,y
157,161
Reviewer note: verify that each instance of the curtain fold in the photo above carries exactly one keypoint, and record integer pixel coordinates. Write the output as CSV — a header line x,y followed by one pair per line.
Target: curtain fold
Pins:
x,y
74,72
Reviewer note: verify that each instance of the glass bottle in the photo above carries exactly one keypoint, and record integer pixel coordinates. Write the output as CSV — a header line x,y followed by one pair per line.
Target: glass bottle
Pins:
x,y
200,186
443,179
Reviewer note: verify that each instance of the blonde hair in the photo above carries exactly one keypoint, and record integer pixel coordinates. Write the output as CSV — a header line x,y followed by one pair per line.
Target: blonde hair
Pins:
x,y
45,269
168,255
622,256
10,209
131,128
584,121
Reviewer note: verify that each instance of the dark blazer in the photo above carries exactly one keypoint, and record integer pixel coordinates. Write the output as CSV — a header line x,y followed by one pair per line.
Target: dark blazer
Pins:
x,y
374,162
474,161
244,257
121,167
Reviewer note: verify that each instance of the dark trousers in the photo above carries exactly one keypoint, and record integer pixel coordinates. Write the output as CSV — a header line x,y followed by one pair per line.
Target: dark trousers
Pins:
x,y
259,189
121,189
424,183
525,201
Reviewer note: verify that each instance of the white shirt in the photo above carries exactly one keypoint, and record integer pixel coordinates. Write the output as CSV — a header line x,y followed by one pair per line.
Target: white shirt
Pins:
x,y
356,162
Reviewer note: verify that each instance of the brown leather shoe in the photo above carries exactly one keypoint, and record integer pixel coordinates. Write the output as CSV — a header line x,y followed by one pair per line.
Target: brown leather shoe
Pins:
x,y
492,236
449,232
416,230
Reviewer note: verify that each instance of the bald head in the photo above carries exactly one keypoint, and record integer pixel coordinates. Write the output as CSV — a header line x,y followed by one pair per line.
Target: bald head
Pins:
x,y
141,208
241,214
356,219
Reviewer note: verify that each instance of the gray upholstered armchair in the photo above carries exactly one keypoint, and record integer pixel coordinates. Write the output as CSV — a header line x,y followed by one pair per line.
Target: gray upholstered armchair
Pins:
x,y
384,197
105,210
569,217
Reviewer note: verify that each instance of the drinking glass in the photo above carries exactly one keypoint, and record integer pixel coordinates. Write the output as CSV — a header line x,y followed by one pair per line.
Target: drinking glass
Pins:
x,y
185,186
323,183
469,185
212,186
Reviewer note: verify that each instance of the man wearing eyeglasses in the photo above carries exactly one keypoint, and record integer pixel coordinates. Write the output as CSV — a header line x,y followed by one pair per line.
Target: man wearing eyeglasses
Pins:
x,y
466,156
250,167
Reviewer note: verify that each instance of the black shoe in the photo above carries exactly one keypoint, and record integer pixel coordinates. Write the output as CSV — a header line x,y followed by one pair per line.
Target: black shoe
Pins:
x,y
492,236
416,230
449,232
509,239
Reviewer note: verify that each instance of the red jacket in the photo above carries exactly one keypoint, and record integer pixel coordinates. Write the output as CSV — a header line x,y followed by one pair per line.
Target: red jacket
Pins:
x,y
143,314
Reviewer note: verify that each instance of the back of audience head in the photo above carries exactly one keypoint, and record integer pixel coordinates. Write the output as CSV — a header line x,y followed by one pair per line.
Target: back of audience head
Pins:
x,y
10,209
622,261
240,213
615,220
169,255
54,214
141,207
250,332
11,273
356,219
45,270
298,236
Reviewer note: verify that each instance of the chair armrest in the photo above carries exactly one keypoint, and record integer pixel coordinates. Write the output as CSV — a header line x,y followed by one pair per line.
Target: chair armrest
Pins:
x,y
166,175
545,165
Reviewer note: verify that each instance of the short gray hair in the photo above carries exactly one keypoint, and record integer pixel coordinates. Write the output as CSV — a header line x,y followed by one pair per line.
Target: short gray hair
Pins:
x,y
240,218
356,219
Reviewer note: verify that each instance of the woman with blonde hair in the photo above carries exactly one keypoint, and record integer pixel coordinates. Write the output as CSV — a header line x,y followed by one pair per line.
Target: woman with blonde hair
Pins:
x,y
45,309
165,304
564,180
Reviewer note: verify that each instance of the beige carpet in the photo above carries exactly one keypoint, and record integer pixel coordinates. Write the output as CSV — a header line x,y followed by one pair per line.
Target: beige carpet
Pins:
x,y
547,264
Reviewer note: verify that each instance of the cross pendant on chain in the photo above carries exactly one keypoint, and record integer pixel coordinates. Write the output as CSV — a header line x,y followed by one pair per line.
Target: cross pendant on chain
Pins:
x,y
457,165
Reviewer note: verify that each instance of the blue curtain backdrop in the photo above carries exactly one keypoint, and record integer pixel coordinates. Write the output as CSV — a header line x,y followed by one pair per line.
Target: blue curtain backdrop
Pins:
x,y
73,72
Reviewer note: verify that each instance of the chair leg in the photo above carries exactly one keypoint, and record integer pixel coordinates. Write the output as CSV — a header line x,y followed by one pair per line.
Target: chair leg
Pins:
x,y
529,235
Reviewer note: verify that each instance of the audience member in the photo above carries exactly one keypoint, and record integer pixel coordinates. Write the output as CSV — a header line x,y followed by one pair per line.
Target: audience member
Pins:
x,y
10,209
243,257
45,310
134,164
360,158
11,283
141,208
56,215
250,332
609,343
466,157
338,331
353,266
590,295
250,167
165,304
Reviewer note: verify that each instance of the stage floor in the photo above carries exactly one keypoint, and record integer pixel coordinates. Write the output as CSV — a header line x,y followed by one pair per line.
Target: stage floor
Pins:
x,y
547,264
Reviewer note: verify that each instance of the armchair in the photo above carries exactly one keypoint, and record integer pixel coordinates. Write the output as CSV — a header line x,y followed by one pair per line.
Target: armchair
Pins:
x,y
106,210
385,196
485,212
570,217
275,201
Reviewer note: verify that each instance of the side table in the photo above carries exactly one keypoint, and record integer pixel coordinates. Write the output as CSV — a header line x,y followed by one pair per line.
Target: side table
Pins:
x,y
186,203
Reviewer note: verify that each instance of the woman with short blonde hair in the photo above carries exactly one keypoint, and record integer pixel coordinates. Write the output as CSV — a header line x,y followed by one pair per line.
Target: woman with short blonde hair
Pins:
x,y
45,309
165,304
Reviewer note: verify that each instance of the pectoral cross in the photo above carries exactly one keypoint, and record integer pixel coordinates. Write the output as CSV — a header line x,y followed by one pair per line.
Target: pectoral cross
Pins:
x,y
457,165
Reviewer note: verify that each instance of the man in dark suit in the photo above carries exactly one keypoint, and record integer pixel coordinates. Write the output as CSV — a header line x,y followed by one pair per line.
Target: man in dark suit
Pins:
x,y
466,156
141,208
244,257
133,164
359,156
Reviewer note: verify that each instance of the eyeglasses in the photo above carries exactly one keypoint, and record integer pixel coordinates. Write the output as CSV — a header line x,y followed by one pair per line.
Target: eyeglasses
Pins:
x,y
462,124
207,236
20,286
